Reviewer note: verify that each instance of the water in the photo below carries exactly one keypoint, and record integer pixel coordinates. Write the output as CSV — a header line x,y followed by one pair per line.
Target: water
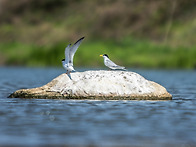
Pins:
x,y
37,122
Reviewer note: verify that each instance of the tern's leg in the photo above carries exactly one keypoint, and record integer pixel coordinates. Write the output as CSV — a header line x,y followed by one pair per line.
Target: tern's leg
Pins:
x,y
69,75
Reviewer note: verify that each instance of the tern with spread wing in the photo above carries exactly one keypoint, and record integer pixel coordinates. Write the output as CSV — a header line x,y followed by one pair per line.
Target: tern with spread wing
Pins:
x,y
69,54
111,64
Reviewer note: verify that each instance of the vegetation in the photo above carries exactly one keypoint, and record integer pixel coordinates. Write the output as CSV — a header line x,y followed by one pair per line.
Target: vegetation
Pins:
x,y
150,34
128,52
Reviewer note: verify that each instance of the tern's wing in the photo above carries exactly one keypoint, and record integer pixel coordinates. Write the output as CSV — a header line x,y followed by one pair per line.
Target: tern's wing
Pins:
x,y
73,50
67,52
110,63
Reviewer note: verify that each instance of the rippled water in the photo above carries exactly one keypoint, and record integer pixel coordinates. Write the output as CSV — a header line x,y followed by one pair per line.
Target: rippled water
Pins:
x,y
98,123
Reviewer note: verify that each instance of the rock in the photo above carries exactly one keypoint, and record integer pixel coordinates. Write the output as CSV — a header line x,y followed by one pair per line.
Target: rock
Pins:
x,y
100,85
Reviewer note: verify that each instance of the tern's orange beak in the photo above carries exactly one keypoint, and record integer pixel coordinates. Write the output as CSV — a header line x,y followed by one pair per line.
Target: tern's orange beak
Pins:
x,y
101,55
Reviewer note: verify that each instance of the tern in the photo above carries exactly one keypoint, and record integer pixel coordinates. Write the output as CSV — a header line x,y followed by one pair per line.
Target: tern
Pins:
x,y
69,54
111,64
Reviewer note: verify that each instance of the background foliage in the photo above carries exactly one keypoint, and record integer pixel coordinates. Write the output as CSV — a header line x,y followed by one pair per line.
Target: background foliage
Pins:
x,y
134,33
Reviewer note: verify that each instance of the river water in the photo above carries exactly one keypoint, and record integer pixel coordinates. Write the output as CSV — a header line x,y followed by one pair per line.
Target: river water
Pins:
x,y
37,122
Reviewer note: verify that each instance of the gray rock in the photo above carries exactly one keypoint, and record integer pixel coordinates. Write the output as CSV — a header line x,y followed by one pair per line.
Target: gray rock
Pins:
x,y
101,85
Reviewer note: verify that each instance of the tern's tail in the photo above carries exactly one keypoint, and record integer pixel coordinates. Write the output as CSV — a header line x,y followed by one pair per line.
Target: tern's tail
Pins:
x,y
122,67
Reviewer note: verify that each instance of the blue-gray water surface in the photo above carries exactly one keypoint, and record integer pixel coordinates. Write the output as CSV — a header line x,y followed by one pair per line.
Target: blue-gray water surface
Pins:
x,y
37,122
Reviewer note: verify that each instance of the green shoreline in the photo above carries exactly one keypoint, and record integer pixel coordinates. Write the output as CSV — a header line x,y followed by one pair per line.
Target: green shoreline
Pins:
x,y
127,52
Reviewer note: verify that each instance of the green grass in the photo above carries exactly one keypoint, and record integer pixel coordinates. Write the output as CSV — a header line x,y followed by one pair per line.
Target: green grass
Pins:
x,y
128,52
33,33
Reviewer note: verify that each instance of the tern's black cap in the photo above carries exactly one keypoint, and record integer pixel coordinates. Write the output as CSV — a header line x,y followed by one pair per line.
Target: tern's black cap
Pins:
x,y
63,60
106,55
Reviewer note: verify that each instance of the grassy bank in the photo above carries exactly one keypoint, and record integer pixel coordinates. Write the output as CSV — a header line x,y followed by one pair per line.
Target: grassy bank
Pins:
x,y
149,34
128,52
